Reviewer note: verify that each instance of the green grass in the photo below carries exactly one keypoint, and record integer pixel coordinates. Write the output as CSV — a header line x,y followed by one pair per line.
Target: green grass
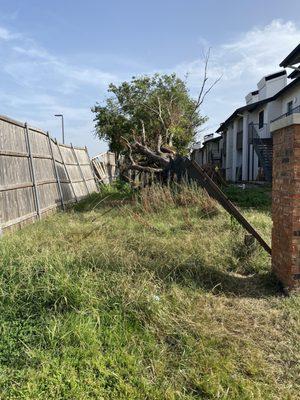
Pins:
x,y
150,296
258,197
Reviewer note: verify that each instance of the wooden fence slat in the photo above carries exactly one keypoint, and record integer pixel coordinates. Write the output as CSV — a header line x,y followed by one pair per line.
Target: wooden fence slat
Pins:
x,y
80,170
35,191
92,168
36,172
56,172
66,169
16,186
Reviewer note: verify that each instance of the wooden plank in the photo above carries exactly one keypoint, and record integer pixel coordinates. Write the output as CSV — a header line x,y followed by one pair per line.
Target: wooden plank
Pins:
x,y
80,170
56,172
18,220
217,193
12,121
67,172
37,201
86,164
16,186
13,153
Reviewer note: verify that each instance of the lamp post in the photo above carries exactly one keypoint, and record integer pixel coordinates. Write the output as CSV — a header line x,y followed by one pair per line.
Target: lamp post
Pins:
x,y
62,126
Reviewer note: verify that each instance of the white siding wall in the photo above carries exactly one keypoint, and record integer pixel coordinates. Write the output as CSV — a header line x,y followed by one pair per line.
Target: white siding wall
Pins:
x,y
270,87
229,152
292,95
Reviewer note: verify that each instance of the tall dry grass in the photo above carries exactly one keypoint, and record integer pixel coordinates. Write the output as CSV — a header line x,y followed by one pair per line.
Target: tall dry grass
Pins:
x,y
157,197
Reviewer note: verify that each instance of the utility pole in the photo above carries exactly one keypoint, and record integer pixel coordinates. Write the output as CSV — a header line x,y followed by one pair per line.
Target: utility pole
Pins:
x,y
62,126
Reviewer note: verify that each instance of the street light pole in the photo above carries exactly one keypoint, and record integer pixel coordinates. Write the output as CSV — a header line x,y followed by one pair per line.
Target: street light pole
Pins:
x,y
62,126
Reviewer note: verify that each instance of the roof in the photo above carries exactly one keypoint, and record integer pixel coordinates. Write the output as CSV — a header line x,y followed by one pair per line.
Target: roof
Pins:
x,y
275,75
249,107
294,74
292,59
253,106
214,139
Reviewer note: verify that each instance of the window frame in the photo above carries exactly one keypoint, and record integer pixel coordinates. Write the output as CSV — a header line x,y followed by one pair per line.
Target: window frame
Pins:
x,y
289,107
261,119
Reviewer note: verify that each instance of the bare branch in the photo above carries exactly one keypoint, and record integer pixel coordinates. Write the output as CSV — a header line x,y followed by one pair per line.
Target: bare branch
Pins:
x,y
160,115
143,133
205,78
170,141
204,92
210,88
167,150
142,168
144,150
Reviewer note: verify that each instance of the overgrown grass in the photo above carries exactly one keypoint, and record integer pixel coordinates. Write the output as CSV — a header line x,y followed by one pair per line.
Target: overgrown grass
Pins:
x,y
127,298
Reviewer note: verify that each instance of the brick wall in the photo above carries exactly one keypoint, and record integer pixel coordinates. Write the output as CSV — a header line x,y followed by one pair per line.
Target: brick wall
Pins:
x,y
286,205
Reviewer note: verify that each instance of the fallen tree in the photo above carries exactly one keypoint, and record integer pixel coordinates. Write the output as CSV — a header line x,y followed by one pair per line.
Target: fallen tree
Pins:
x,y
151,120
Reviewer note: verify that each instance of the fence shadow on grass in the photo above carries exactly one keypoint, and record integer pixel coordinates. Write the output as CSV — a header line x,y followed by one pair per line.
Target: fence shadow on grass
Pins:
x,y
258,285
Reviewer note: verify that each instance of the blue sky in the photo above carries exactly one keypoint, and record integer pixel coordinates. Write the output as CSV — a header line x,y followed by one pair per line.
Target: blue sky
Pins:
x,y
59,56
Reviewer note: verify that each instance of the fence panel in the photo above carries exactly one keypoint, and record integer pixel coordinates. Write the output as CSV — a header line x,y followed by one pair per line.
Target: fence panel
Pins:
x,y
104,165
37,174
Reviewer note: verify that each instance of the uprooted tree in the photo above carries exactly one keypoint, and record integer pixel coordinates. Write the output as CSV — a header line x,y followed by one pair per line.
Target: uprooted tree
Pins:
x,y
150,120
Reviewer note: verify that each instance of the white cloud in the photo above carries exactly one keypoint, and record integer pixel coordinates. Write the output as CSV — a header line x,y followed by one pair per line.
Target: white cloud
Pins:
x,y
84,75
42,83
242,62
5,34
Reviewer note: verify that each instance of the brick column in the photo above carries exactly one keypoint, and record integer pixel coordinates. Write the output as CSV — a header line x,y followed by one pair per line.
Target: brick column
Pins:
x,y
286,202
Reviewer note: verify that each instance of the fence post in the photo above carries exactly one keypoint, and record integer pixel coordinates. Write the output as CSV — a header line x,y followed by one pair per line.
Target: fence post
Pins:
x,y
56,173
67,172
80,170
92,169
31,168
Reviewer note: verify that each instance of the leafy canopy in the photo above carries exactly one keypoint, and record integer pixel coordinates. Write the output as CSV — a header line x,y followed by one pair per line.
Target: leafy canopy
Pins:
x,y
158,105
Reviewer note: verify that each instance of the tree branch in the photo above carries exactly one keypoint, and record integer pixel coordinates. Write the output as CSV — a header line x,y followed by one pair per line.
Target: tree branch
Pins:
x,y
203,93
140,148
143,133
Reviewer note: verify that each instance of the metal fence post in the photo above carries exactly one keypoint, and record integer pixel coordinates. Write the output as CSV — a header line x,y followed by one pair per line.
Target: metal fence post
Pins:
x,y
31,167
80,170
56,173
92,169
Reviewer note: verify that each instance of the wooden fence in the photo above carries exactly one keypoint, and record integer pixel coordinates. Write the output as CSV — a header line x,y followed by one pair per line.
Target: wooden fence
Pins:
x,y
105,167
38,174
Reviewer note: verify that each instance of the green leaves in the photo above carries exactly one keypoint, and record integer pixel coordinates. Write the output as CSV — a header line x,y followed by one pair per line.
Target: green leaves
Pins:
x,y
161,102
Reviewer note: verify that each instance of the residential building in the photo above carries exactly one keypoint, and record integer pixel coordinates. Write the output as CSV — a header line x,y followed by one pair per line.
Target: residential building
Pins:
x,y
246,133
209,151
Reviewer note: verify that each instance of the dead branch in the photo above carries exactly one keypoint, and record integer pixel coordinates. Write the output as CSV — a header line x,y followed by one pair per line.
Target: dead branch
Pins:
x,y
203,91
143,133
143,168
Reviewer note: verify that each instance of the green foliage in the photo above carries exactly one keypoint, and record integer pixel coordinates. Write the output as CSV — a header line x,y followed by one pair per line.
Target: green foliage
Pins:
x,y
130,305
162,102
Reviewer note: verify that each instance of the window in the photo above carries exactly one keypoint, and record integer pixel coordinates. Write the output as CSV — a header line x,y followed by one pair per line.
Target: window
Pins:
x,y
239,141
289,107
261,119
